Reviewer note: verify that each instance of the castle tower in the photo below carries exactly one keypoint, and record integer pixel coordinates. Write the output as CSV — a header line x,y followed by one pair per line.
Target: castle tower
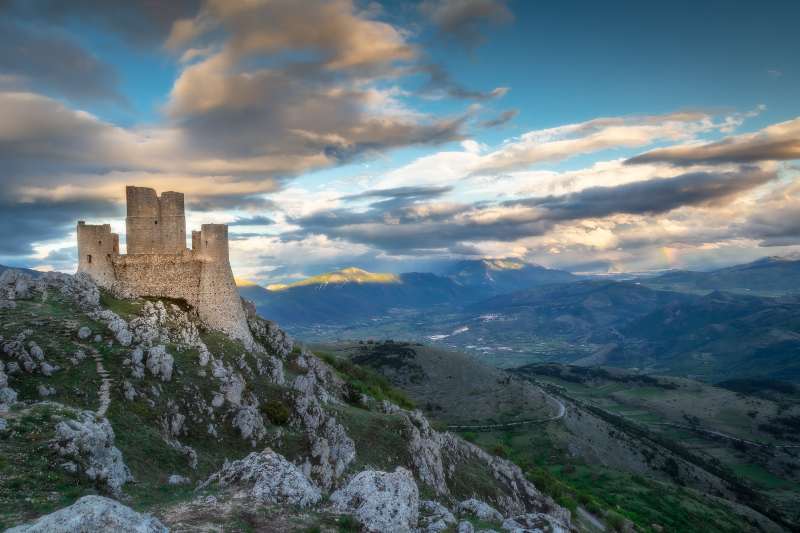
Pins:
x,y
155,225
219,304
172,220
97,247
143,235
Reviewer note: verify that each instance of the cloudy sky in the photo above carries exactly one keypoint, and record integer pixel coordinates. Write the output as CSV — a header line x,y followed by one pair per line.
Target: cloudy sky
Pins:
x,y
591,136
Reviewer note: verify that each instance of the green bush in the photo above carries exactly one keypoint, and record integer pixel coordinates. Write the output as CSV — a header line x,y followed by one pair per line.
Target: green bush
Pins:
x,y
348,524
277,412
361,380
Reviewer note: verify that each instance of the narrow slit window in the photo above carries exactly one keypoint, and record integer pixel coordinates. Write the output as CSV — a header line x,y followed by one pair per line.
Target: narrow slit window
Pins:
x,y
89,258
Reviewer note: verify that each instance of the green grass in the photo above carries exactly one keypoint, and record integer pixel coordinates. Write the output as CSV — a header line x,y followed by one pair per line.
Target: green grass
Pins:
x,y
31,482
603,491
366,381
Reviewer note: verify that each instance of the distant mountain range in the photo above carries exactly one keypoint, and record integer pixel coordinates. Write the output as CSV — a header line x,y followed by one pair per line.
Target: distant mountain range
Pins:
x,y
736,322
767,276
354,294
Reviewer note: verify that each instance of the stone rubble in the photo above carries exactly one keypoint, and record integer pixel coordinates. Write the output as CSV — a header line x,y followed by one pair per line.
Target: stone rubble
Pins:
x,y
381,501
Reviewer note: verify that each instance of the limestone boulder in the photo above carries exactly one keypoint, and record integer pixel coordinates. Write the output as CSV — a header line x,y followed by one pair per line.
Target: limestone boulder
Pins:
x,y
88,443
15,284
381,501
159,362
93,513
535,522
250,424
268,478
435,517
479,509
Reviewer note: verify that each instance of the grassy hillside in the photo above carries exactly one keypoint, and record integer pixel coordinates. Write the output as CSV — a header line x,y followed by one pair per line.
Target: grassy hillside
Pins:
x,y
617,469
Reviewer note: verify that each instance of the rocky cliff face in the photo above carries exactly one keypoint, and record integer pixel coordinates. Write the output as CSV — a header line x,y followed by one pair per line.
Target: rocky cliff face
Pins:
x,y
139,390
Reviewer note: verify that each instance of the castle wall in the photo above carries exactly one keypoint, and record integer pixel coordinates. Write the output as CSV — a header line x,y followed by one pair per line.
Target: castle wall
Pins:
x,y
96,248
159,275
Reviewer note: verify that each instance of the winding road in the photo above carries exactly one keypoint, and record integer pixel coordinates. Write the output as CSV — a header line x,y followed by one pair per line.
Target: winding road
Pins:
x,y
562,410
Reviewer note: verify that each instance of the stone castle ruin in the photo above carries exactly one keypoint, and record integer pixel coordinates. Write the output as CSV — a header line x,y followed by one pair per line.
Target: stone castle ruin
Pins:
x,y
158,263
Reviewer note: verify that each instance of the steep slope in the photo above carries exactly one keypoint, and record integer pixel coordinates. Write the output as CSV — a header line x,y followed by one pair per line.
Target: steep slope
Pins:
x,y
600,468
97,392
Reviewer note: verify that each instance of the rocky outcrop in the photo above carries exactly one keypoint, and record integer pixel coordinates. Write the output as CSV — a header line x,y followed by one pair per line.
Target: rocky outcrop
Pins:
x,y
332,450
93,513
381,501
8,396
15,285
480,510
267,333
267,477
88,446
518,495
434,517
159,362
535,522
250,424
425,451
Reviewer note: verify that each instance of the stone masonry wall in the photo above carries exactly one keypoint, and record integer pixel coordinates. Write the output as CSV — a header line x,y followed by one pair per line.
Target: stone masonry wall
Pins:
x,y
162,275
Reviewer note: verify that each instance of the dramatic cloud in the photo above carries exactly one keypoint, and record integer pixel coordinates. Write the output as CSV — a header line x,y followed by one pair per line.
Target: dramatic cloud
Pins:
x,y
400,192
441,83
776,222
24,224
774,143
650,197
464,20
49,61
258,220
563,142
144,22
317,104
411,227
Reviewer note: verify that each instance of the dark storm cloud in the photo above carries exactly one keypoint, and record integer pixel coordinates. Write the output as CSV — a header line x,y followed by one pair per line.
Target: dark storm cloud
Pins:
x,y
649,197
49,61
144,22
231,201
415,227
22,224
465,20
776,219
500,119
779,142
441,82
258,220
401,192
